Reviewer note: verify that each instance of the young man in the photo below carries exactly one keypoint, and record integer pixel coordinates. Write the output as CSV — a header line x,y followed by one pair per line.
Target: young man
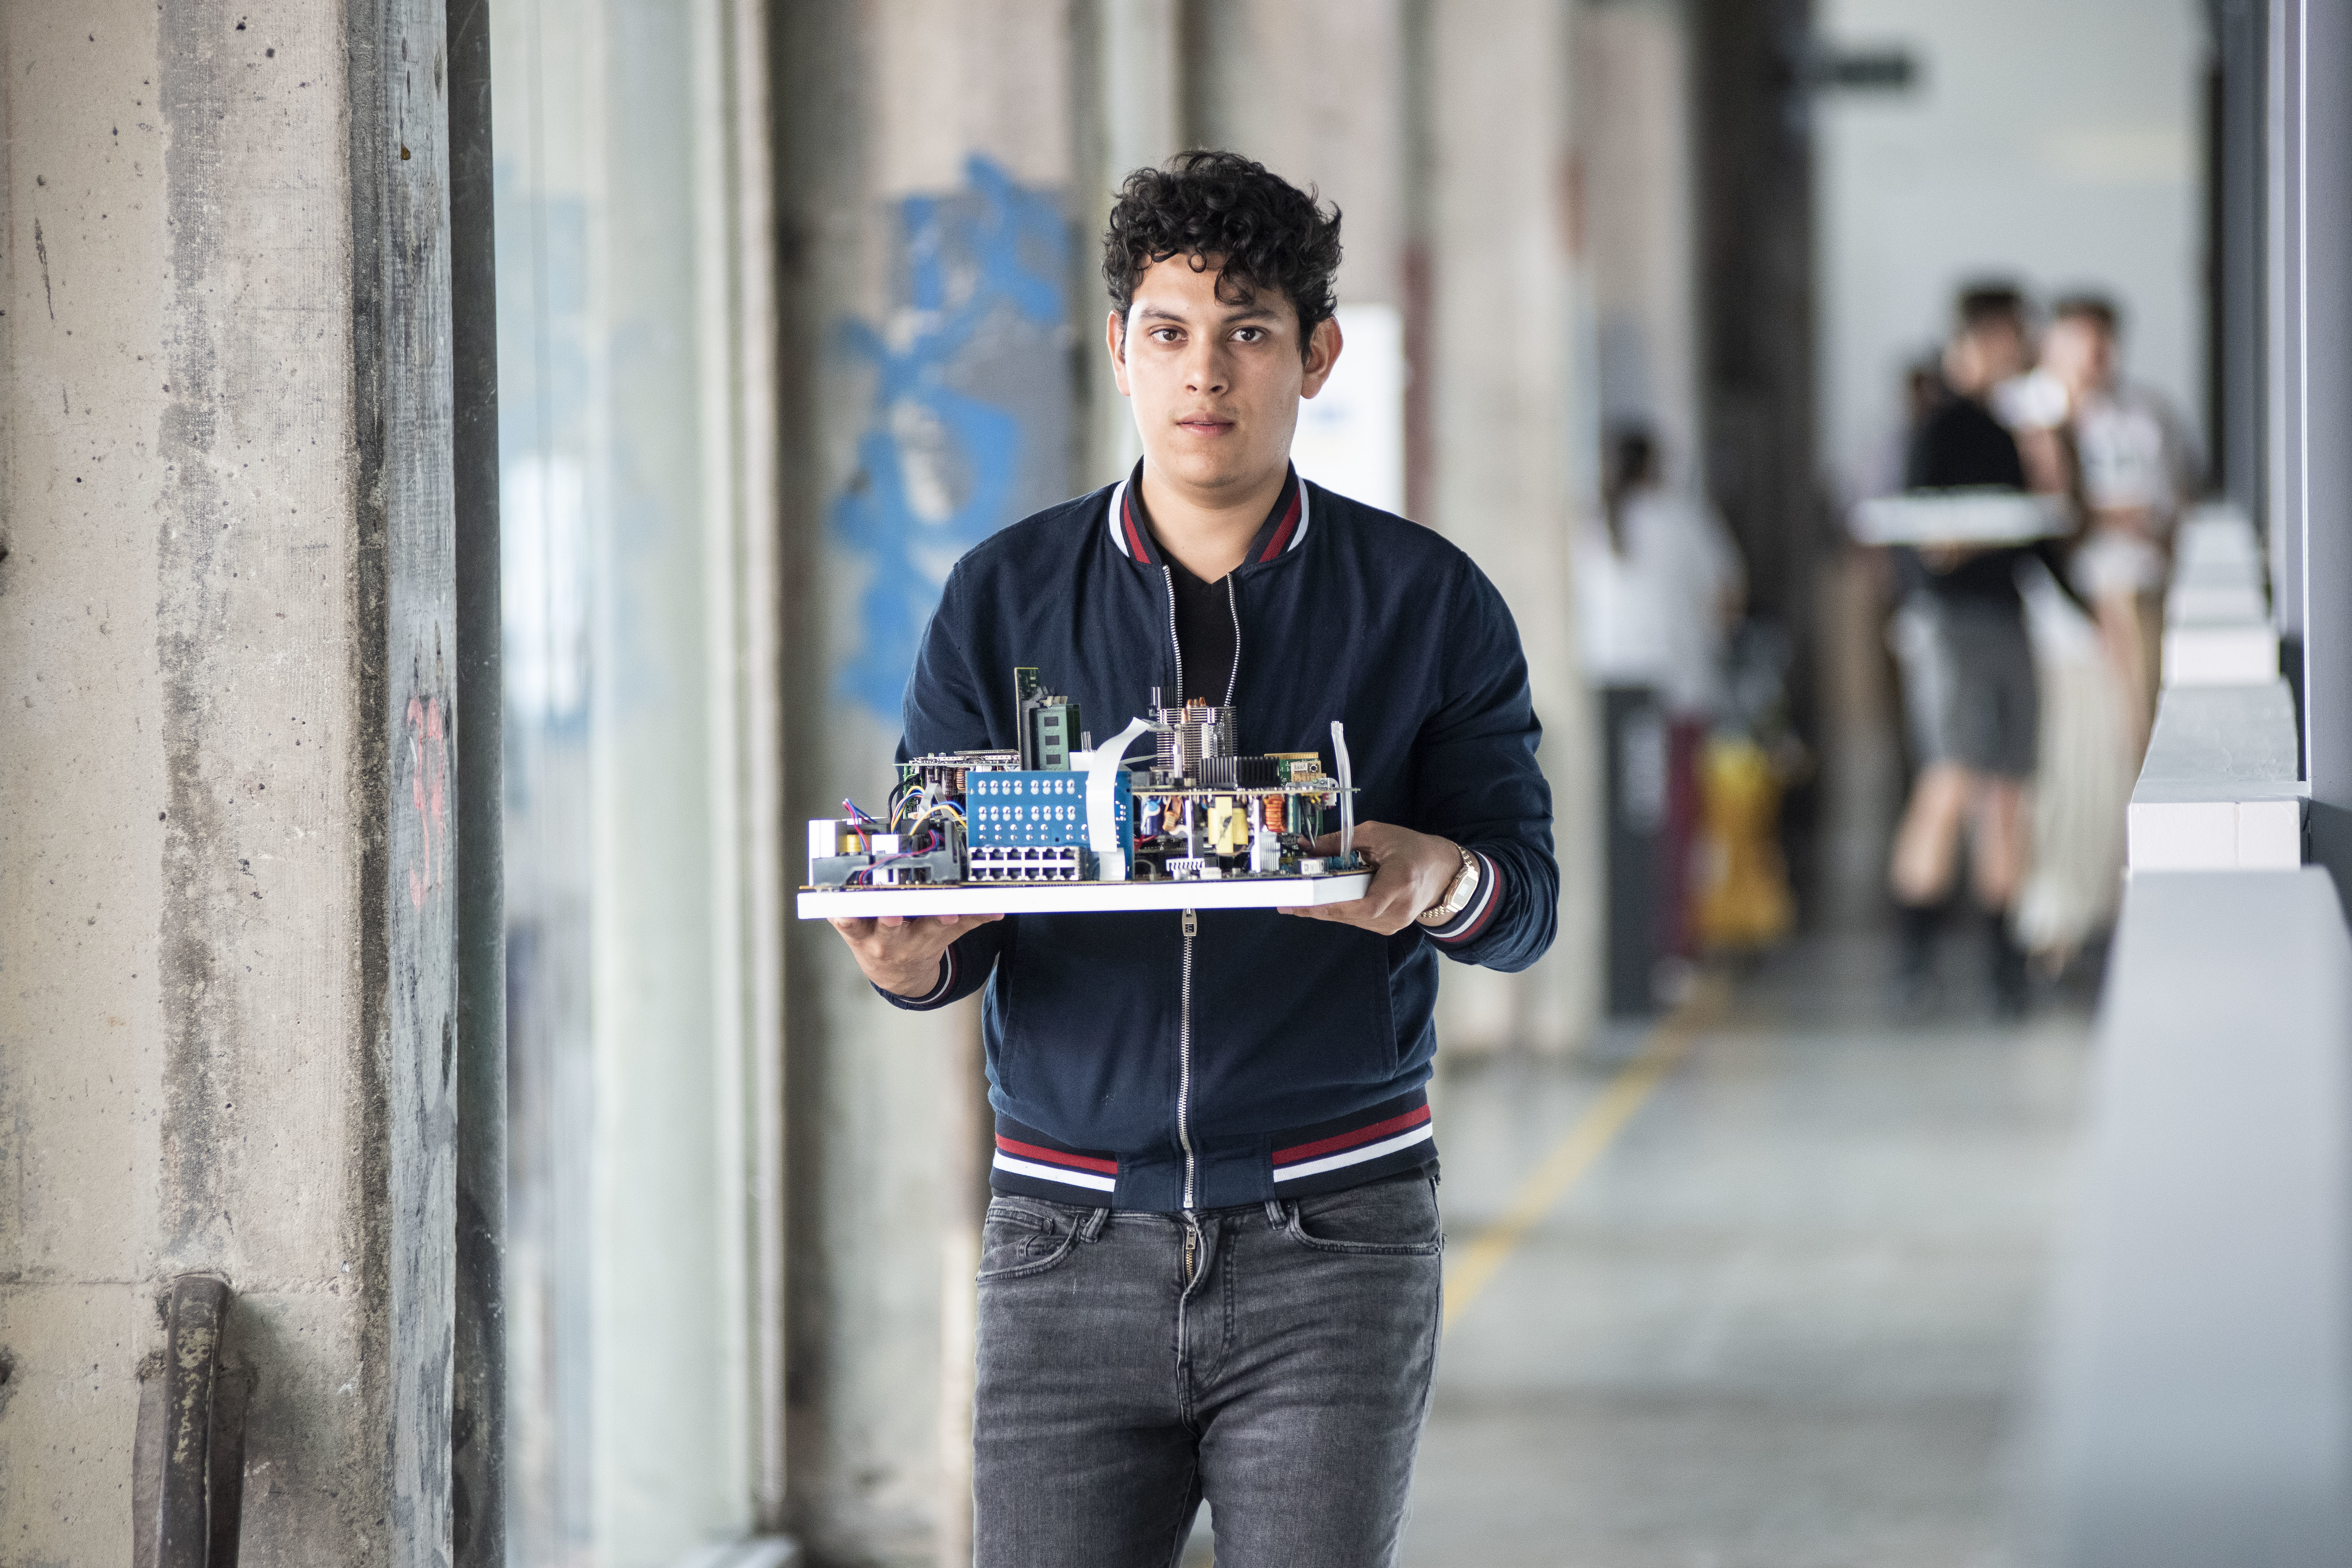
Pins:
x,y
1968,676
1210,1267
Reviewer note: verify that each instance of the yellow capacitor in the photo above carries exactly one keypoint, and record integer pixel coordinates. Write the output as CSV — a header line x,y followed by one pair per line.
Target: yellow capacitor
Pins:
x,y
1228,825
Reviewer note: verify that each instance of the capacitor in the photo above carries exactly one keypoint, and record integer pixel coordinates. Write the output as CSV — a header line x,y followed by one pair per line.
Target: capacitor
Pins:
x,y
1228,826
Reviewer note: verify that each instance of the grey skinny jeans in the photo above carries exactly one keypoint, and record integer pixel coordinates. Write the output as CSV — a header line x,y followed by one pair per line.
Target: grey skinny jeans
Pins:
x,y
1284,1383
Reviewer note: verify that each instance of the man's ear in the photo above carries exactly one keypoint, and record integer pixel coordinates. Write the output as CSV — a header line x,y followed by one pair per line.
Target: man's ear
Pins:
x,y
1115,339
1323,346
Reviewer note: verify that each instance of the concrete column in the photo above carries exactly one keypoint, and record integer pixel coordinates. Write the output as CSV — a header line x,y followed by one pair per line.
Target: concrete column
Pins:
x,y
1129,113
926,179
1633,149
1315,91
228,649
1505,423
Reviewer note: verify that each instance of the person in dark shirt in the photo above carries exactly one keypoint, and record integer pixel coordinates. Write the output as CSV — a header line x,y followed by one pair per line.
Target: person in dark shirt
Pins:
x,y
1968,677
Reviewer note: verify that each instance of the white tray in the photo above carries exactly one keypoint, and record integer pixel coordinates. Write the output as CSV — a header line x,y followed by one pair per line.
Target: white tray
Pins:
x,y
1960,517
1083,898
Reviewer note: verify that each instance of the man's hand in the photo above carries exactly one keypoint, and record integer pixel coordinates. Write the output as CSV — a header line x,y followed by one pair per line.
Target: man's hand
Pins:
x,y
901,953
1411,873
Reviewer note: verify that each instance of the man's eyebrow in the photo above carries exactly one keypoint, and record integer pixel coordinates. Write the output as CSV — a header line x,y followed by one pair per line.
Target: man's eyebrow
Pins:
x,y
1253,311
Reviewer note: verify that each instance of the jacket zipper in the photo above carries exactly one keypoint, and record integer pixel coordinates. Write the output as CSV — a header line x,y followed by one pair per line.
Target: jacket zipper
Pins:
x,y
1184,1008
1185,1092
1192,930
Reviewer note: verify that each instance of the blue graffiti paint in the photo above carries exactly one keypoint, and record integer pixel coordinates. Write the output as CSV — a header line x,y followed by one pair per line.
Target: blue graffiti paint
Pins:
x,y
940,466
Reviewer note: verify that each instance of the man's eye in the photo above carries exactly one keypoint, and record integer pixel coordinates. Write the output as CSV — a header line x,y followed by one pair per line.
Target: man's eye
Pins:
x,y
1249,334
1163,334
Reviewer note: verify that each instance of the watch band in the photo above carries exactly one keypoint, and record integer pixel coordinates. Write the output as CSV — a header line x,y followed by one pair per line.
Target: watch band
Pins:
x,y
1457,892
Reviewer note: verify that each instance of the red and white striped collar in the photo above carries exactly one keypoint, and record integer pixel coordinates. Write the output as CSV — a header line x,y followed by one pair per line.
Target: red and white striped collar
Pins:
x,y
1284,531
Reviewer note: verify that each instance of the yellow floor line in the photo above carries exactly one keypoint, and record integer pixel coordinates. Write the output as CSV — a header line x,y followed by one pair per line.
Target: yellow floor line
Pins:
x,y
1584,1144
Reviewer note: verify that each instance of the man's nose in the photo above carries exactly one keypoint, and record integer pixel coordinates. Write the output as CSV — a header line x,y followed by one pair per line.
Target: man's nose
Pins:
x,y
1205,370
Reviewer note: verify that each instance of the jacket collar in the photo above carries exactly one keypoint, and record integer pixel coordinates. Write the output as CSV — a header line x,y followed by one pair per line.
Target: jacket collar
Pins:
x,y
1284,530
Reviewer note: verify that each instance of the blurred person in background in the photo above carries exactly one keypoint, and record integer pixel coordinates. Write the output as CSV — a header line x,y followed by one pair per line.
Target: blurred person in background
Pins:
x,y
1659,586
1966,660
2136,467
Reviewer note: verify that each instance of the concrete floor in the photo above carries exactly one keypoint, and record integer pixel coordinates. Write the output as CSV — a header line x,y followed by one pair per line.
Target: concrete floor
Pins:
x,y
1787,1319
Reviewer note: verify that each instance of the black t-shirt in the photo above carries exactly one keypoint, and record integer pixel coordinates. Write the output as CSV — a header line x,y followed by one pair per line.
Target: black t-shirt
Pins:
x,y
1205,633
1208,634
1961,444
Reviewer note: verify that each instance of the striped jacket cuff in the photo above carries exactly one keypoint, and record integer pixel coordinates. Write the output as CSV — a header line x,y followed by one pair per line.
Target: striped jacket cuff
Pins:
x,y
937,994
1479,912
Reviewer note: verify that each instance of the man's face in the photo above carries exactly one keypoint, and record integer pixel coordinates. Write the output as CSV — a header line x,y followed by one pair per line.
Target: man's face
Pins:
x,y
1985,355
1214,386
2080,353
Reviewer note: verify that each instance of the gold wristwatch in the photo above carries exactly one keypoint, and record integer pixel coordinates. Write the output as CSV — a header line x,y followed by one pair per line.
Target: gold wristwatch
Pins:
x,y
1457,894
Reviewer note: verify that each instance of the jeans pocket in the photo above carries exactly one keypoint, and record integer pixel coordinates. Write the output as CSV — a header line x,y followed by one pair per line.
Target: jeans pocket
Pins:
x,y
1394,1217
1018,1242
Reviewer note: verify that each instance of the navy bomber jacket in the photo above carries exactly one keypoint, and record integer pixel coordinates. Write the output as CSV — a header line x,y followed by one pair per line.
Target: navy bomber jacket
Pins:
x,y
1263,1055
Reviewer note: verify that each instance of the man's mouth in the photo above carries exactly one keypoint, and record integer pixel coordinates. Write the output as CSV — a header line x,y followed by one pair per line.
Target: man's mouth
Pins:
x,y
1204,425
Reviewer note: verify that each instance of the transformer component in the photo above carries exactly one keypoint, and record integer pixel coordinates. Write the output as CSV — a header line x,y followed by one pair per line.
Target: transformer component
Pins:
x,y
1228,825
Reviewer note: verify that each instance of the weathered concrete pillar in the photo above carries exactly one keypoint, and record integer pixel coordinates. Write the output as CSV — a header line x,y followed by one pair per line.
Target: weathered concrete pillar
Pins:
x,y
1507,429
925,191
227,663
1632,134
1315,89
1129,113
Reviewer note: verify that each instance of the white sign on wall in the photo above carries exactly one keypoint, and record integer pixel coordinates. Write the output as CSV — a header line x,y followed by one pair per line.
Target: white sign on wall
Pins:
x,y
1350,436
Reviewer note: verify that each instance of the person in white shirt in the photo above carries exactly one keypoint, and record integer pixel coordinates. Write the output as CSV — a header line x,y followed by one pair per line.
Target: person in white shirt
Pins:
x,y
1659,585
2136,468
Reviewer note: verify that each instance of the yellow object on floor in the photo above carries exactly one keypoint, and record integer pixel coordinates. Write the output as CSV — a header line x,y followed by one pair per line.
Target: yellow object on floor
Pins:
x,y
1743,898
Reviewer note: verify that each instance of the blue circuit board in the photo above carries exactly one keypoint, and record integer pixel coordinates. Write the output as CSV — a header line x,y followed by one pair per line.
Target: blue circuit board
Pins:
x,y
1040,809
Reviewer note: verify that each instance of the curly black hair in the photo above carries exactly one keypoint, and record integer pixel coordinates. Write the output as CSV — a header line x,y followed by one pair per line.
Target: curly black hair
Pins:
x,y
1222,208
